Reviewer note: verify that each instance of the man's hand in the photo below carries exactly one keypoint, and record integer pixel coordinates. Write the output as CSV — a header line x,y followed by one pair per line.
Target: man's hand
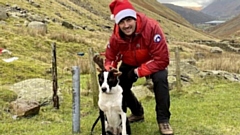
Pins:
x,y
132,75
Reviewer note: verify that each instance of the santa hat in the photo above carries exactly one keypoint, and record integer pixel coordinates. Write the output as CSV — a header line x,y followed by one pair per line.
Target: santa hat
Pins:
x,y
2,50
121,9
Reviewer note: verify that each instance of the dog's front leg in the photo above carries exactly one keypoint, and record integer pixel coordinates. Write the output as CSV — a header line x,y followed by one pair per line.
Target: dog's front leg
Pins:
x,y
124,120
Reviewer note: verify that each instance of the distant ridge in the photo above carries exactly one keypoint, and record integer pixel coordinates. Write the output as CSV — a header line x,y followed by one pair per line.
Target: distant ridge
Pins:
x,y
193,16
225,9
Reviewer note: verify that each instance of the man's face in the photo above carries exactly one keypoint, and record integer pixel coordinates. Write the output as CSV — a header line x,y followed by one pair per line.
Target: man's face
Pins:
x,y
127,25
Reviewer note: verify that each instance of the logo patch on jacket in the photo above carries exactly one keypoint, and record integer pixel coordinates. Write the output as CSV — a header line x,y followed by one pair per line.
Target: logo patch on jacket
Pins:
x,y
157,38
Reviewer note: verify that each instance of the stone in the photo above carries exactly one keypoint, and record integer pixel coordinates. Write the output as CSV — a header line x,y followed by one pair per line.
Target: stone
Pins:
x,y
38,26
23,108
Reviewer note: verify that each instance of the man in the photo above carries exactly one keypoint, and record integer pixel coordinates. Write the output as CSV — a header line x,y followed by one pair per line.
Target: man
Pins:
x,y
139,43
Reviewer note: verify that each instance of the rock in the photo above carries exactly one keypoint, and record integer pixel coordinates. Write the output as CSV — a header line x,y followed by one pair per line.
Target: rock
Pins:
x,y
142,92
35,17
3,15
216,50
221,74
149,84
38,89
191,61
23,108
171,82
2,22
67,25
199,55
38,26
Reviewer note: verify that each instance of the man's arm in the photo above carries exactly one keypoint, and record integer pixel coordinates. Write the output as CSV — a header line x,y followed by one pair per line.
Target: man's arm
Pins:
x,y
159,50
111,55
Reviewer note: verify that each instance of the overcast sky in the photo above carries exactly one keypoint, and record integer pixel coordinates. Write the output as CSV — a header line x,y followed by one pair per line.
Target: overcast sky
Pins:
x,y
194,3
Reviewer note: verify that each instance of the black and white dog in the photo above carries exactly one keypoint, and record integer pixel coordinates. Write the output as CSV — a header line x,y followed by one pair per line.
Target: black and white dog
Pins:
x,y
112,104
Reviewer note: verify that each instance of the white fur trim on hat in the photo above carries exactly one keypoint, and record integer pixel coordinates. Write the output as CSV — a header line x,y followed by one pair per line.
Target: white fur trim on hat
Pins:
x,y
125,13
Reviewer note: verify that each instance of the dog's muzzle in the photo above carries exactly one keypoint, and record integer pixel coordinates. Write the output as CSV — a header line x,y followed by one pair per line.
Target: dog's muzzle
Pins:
x,y
104,89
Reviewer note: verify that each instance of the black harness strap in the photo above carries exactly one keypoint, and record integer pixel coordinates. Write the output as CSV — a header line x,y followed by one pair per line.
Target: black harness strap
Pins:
x,y
101,116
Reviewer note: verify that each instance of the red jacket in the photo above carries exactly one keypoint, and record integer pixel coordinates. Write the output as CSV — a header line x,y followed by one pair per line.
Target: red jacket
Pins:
x,y
147,49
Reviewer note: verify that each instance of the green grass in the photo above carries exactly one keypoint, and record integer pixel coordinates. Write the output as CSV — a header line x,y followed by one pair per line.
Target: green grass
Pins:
x,y
200,109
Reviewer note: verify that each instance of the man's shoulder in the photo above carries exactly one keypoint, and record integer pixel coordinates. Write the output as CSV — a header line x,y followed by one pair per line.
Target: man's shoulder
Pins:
x,y
144,17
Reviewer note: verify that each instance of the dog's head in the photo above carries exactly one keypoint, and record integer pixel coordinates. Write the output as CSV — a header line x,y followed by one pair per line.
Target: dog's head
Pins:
x,y
108,80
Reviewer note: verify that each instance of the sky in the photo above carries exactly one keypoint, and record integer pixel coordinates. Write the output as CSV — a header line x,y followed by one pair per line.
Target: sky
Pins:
x,y
190,3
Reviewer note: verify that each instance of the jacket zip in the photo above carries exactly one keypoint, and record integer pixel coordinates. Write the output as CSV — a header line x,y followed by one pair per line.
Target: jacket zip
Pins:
x,y
134,50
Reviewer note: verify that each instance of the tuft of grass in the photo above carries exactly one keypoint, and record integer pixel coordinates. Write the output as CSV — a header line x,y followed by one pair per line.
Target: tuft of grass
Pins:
x,y
7,95
227,62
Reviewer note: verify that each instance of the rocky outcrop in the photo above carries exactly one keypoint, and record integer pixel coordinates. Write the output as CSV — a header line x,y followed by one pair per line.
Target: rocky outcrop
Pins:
x,y
220,74
16,11
22,108
227,45
31,95
3,14
39,90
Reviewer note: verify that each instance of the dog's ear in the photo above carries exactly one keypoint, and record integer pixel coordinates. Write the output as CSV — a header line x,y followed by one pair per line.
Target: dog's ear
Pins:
x,y
117,73
99,70
113,69
99,61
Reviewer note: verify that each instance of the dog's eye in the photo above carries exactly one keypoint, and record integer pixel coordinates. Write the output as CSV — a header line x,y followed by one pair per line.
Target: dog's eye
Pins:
x,y
110,80
100,80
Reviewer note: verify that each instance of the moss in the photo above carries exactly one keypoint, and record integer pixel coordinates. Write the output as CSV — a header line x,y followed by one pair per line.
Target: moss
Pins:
x,y
7,96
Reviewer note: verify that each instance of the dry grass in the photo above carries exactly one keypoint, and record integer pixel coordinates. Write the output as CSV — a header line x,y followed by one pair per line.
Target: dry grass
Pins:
x,y
227,62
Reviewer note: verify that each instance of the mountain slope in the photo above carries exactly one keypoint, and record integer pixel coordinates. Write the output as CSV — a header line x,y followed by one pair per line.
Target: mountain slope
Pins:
x,y
92,28
161,10
228,29
193,16
223,8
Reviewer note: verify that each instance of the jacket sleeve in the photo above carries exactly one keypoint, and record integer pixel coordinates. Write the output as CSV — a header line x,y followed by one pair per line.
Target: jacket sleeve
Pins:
x,y
111,54
159,52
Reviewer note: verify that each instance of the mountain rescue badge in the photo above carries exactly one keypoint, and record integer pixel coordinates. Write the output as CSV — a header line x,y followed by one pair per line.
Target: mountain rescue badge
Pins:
x,y
157,38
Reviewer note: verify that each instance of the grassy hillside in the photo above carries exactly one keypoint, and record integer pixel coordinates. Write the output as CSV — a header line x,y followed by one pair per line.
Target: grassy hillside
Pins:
x,y
230,29
34,50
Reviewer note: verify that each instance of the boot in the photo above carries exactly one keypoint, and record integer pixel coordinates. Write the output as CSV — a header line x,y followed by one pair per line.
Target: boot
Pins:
x,y
133,118
165,129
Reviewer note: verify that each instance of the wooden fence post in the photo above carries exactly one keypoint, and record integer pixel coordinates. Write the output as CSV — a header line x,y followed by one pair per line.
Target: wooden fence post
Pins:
x,y
55,97
94,81
178,72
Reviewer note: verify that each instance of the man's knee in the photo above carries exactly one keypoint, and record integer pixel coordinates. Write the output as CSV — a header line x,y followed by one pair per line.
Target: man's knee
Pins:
x,y
160,76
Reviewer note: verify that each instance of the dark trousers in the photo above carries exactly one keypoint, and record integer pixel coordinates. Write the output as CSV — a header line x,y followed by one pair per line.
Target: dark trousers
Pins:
x,y
161,92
